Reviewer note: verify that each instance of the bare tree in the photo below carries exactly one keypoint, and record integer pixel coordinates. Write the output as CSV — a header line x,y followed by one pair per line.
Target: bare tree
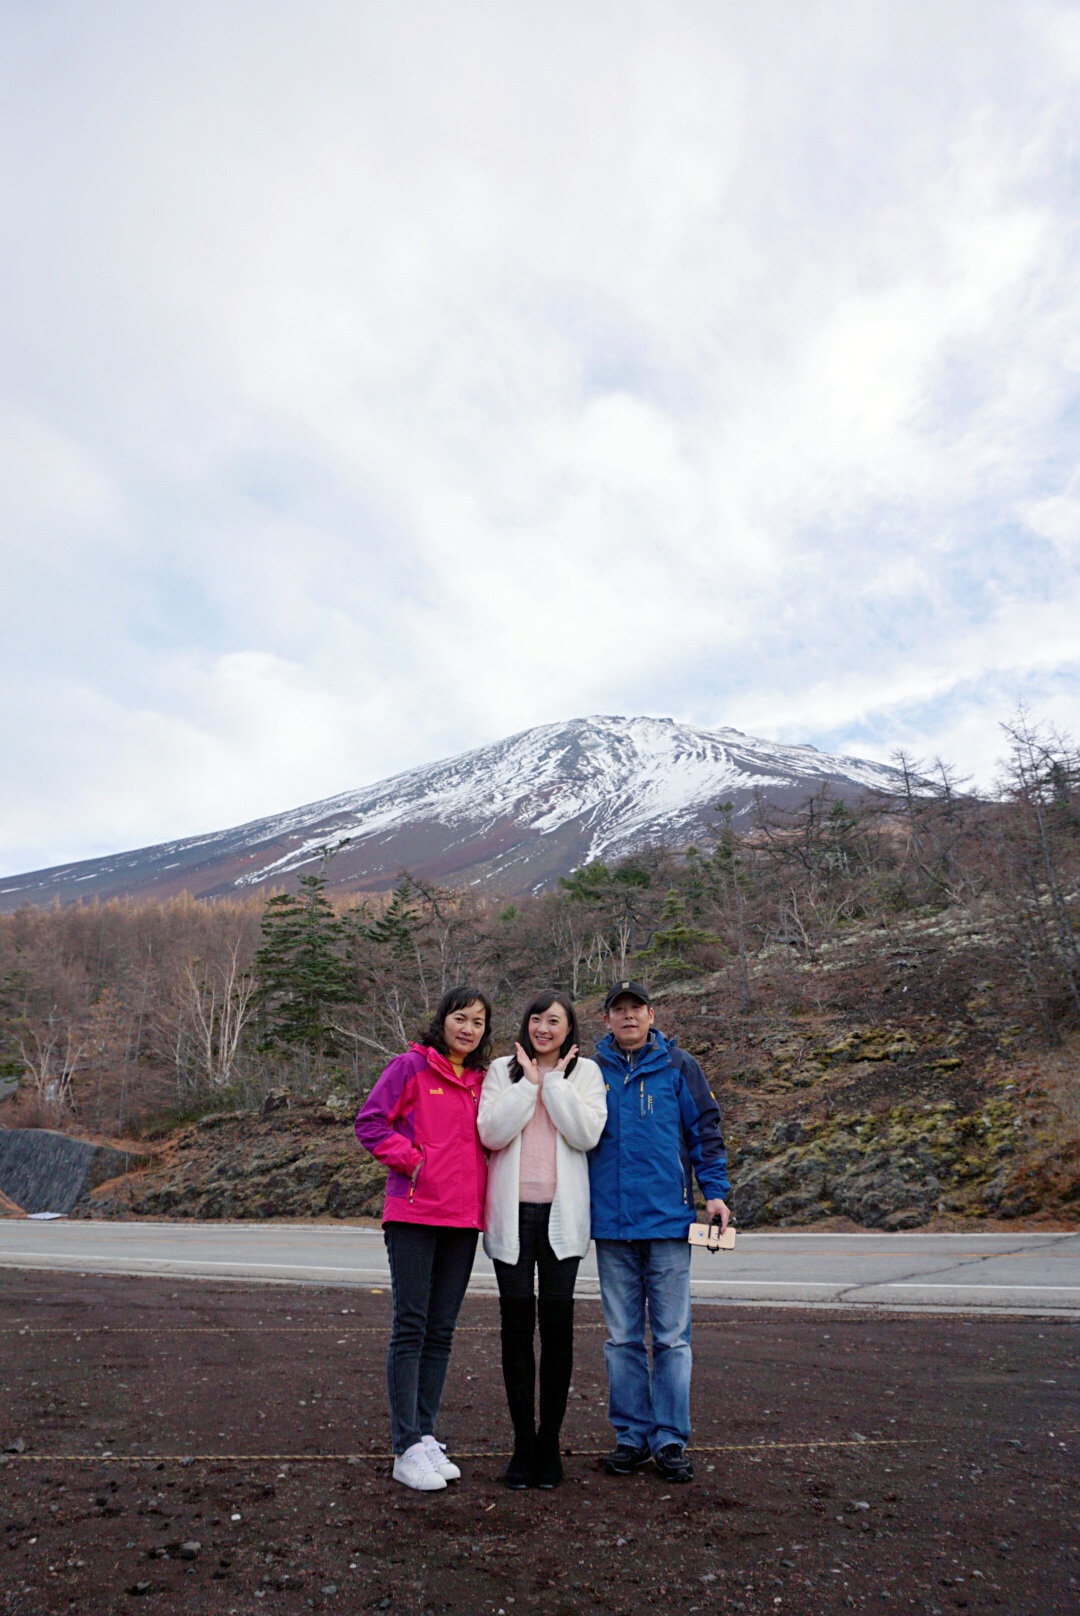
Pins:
x,y
1041,850
51,1058
219,1006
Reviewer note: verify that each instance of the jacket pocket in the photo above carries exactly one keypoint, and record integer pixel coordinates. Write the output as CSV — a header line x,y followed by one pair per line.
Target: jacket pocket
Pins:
x,y
679,1170
397,1184
436,1186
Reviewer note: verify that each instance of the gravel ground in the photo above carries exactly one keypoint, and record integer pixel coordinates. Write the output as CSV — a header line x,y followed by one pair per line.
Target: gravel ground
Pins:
x,y
221,1449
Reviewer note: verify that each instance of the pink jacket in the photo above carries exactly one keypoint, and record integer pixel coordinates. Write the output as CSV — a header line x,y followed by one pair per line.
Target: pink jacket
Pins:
x,y
421,1115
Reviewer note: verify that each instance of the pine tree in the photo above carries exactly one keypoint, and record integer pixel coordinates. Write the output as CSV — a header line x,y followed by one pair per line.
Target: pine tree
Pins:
x,y
396,928
670,943
301,970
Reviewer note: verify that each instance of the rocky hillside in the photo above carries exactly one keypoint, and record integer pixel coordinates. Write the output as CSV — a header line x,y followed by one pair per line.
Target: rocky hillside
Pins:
x,y
889,1087
885,1086
300,1160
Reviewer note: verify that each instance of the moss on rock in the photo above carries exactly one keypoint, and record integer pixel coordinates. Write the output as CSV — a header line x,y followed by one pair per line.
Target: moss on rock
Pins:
x,y
891,1171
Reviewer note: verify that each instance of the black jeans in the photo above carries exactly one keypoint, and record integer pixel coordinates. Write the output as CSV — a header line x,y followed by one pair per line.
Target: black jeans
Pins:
x,y
558,1275
429,1272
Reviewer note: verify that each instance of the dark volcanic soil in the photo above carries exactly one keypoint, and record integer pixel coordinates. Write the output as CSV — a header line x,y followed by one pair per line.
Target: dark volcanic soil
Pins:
x,y
843,1462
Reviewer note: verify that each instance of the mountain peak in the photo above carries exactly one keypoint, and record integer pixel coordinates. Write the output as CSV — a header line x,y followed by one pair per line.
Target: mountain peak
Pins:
x,y
513,815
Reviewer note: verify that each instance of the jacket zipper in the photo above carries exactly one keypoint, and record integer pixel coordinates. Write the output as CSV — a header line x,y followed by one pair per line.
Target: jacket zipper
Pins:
x,y
420,1168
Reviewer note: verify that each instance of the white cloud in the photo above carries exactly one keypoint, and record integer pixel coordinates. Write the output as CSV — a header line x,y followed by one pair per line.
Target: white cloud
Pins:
x,y
1058,519
382,380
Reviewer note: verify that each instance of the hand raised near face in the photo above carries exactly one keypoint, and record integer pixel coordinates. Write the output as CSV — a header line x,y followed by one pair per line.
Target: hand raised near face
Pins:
x,y
532,1070
528,1065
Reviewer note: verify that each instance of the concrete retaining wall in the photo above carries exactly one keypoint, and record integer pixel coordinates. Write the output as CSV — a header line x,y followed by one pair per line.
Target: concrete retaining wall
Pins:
x,y
44,1171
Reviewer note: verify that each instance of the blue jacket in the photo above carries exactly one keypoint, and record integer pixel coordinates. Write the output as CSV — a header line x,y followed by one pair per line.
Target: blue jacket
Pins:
x,y
662,1122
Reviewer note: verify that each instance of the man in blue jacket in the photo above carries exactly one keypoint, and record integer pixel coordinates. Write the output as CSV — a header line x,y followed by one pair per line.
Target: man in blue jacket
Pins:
x,y
663,1127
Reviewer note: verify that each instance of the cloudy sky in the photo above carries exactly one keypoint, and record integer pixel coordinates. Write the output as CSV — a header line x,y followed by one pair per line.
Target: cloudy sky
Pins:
x,y
378,380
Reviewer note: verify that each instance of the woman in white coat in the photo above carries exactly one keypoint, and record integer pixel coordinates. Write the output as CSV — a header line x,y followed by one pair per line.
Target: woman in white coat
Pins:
x,y
540,1112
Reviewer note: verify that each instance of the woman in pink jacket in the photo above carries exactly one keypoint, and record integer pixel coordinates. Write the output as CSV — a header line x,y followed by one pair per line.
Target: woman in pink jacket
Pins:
x,y
420,1121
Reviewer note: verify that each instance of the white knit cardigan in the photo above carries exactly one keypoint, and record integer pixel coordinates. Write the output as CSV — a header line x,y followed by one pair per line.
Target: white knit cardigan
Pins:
x,y
577,1106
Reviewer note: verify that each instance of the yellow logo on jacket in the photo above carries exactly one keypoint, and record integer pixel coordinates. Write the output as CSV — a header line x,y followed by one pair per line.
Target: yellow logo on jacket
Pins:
x,y
435,1091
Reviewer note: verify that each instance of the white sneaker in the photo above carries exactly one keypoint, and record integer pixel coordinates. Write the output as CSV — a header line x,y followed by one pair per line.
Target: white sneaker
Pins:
x,y
414,1468
436,1452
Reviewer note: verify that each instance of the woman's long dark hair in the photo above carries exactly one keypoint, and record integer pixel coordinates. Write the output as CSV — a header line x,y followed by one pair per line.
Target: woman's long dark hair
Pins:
x,y
536,1007
433,1037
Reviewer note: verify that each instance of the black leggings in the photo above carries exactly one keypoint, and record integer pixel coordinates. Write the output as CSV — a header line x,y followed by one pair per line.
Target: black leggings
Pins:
x,y
429,1273
558,1275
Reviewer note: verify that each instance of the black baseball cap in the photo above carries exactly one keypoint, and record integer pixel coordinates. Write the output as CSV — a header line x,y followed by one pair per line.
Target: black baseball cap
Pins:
x,y
617,989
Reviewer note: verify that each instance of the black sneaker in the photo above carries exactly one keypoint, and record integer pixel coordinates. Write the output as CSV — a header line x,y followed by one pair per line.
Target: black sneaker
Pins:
x,y
626,1459
673,1464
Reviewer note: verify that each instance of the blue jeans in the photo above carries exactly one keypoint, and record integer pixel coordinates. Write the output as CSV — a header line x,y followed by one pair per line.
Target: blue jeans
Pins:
x,y
638,1277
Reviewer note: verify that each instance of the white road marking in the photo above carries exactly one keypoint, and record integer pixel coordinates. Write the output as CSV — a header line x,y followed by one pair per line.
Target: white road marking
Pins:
x,y
938,1273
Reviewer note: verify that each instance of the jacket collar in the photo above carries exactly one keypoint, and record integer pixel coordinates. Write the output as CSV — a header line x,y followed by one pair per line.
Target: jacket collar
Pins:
x,y
441,1066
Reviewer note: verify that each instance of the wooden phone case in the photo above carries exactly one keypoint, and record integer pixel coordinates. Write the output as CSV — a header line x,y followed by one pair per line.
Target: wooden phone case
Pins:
x,y
708,1235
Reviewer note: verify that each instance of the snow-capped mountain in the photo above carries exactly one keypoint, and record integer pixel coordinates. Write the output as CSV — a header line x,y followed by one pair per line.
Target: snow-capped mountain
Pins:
x,y
514,815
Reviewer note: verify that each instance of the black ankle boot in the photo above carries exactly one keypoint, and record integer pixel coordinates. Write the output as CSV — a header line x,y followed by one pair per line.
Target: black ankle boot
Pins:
x,y
519,1377
556,1368
521,1471
548,1470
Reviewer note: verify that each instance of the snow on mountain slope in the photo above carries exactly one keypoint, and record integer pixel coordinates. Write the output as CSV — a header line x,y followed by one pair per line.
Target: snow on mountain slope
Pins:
x,y
515,814
629,777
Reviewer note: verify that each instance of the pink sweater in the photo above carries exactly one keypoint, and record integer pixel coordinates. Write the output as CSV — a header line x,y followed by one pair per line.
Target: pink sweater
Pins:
x,y
537,1179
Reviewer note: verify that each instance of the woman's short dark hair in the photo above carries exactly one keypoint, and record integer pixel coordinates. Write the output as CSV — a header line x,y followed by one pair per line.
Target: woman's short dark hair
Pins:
x,y
536,1007
459,999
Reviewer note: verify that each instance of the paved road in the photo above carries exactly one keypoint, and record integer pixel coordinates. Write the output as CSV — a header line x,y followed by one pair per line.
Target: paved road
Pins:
x,y
1021,1273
